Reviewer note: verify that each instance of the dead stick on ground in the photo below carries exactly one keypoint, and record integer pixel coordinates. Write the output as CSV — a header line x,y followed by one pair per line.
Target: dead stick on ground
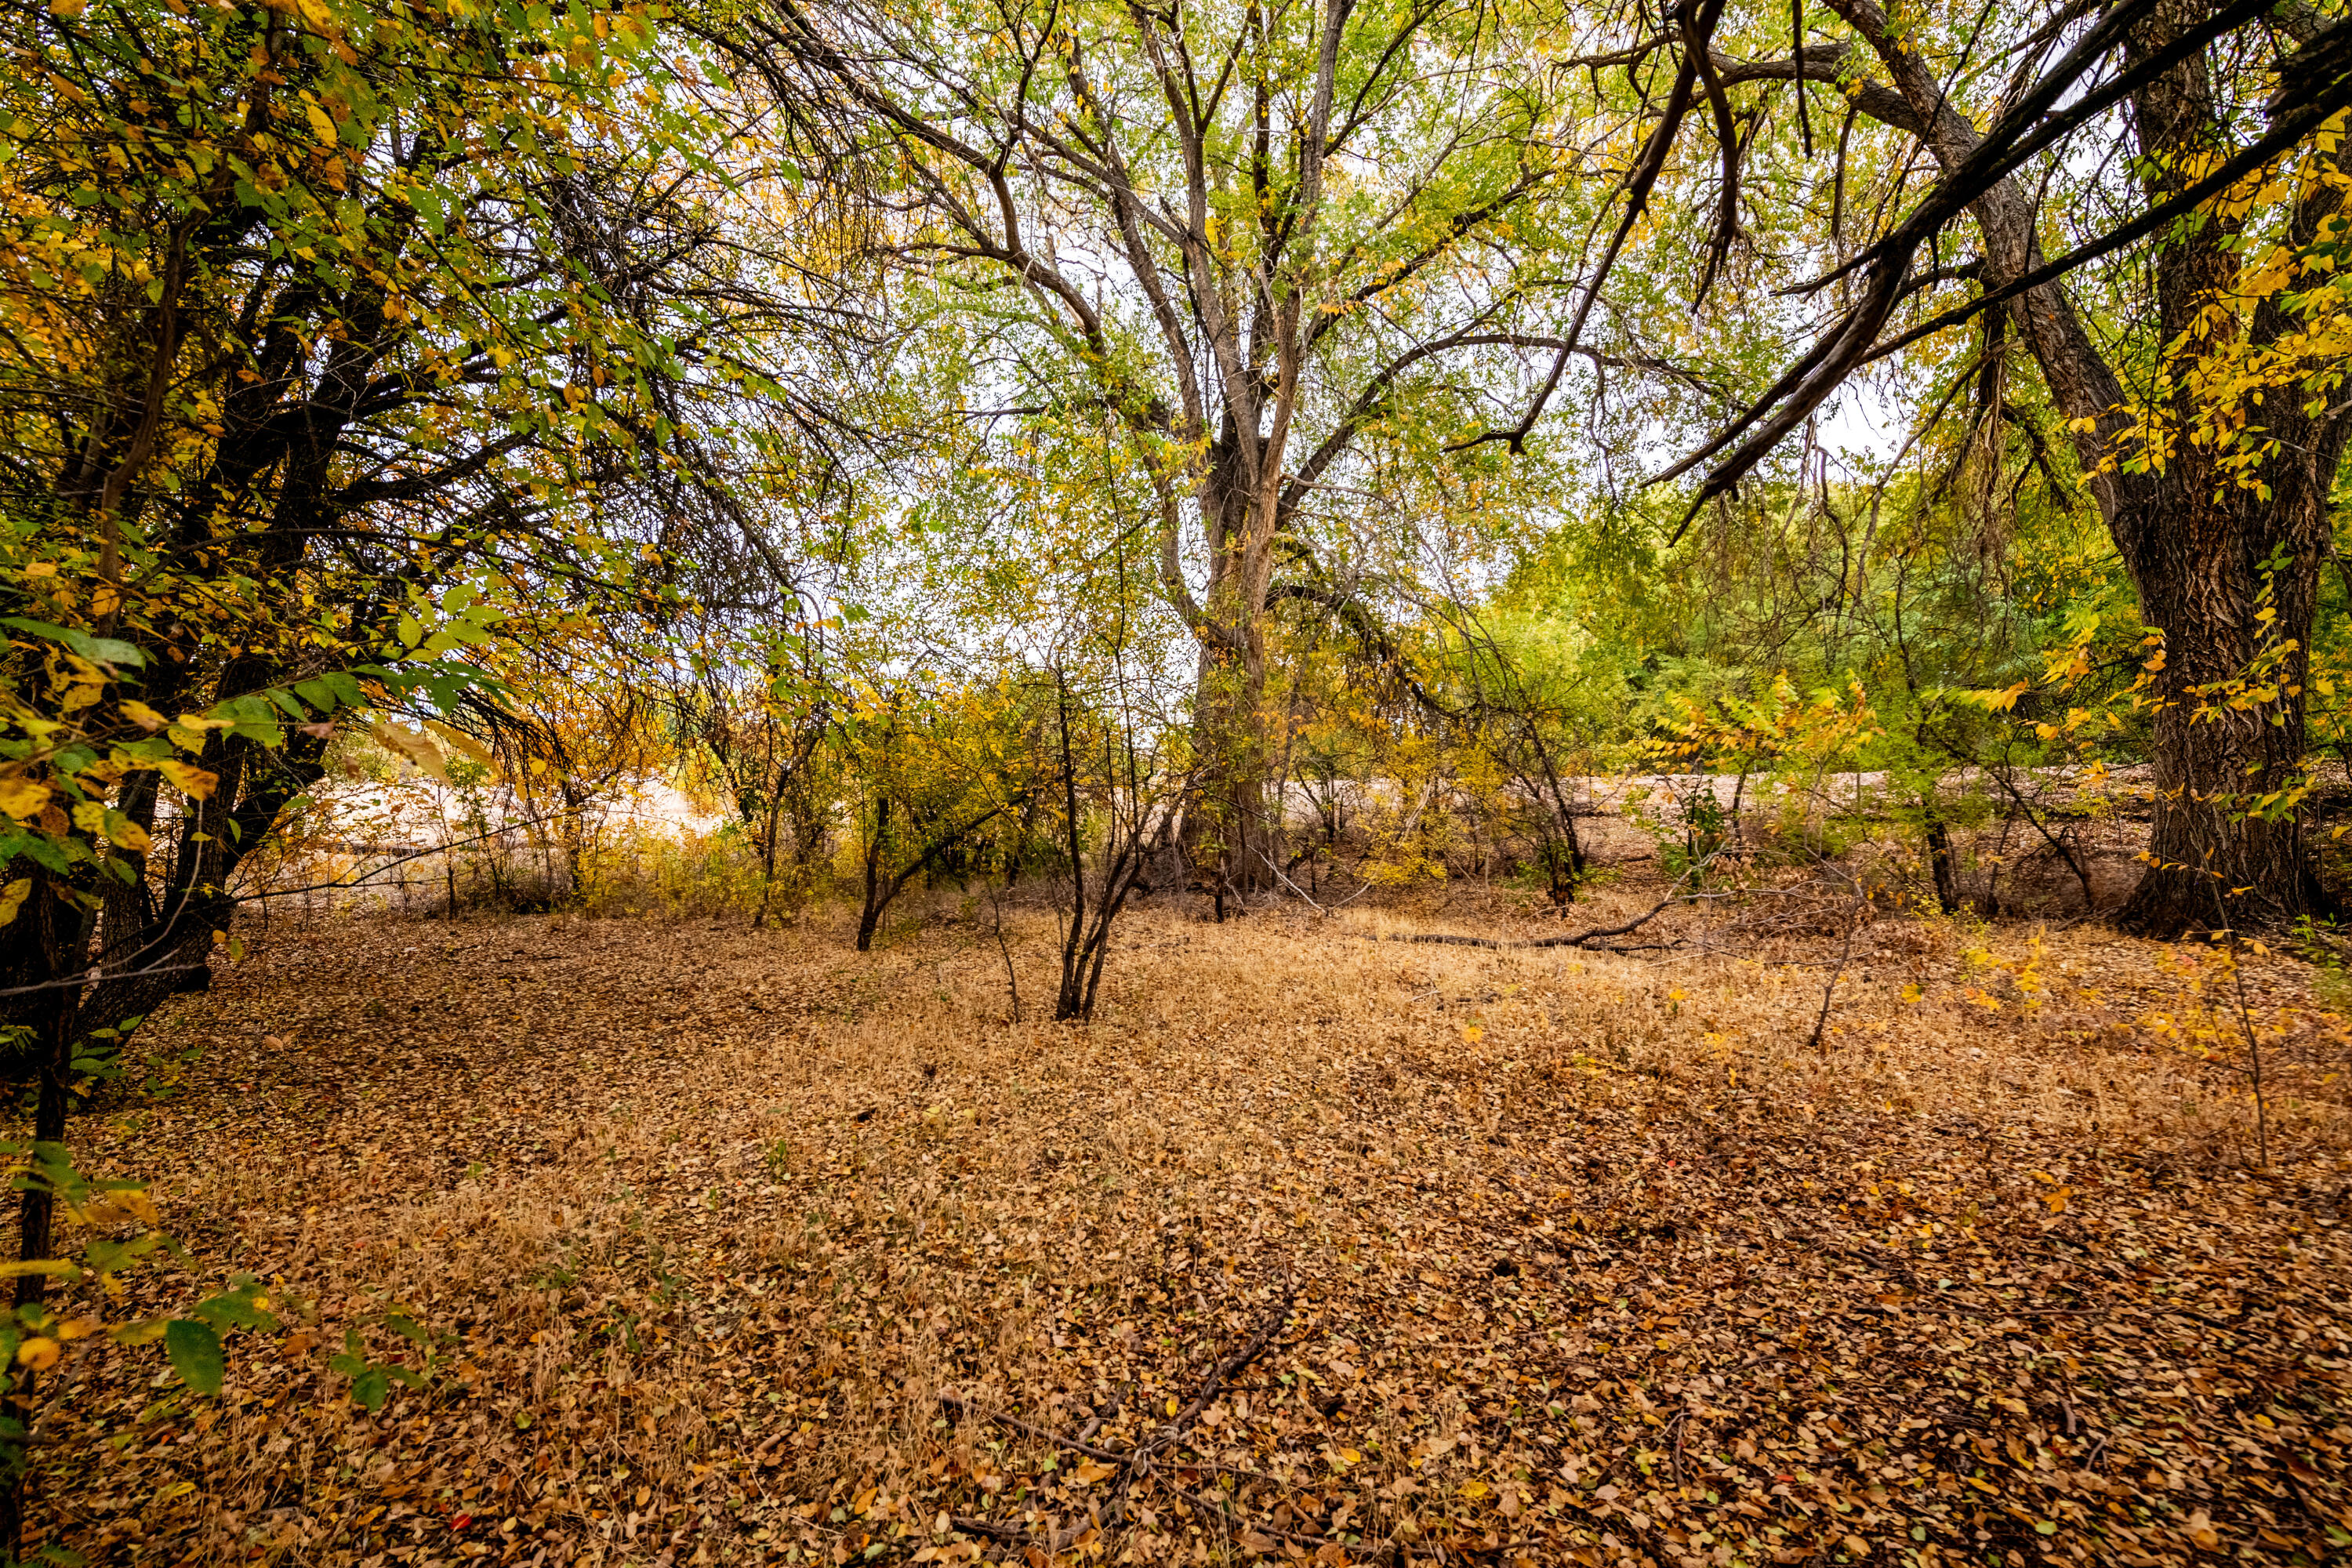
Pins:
x,y
1291,884
1138,1461
950,1402
1596,934
1214,1500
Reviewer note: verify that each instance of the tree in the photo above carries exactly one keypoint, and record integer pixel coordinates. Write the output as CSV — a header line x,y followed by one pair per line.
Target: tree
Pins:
x,y
763,738
1268,243
330,336
346,323
2209,445
937,773
1118,787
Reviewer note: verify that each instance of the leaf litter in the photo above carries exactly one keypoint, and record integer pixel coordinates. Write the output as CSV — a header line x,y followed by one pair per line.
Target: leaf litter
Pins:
x,y
712,1246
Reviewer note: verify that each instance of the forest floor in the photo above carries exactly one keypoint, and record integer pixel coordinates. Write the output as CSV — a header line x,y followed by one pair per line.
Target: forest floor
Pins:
x,y
734,1246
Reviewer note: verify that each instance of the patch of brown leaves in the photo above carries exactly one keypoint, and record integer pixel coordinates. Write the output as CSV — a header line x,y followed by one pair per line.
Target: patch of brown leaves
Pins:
x,y
743,1248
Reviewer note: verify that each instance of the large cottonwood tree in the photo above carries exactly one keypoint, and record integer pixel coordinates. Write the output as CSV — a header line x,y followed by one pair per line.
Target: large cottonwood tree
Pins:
x,y
1262,237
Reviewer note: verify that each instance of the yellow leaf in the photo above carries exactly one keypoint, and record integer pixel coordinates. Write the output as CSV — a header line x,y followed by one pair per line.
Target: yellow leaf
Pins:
x,y
139,714
188,779
414,744
12,898
39,1353
459,741
1474,1489
22,798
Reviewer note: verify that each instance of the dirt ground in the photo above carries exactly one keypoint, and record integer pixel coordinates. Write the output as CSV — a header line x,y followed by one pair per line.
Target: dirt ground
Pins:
x,y
717,1245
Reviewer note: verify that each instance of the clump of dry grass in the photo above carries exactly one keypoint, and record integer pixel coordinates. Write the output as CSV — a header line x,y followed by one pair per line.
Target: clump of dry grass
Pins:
x,y
1593,1260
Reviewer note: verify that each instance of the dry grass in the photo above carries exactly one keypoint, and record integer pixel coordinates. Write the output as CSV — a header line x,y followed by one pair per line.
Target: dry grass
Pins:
x,y
1593,1260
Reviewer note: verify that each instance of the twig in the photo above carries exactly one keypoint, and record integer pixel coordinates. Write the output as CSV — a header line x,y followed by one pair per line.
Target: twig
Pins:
x,y
1137,1462
986,1527
380,870
1211,1497
949,1401
93,977
1011,981
1232,1366
1286,882
2253,1050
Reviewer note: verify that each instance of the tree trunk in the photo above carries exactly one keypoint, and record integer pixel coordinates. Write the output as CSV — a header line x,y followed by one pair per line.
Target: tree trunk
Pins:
x,y
2201,547
1939,864
2228,572
870,916
51,944
2226,848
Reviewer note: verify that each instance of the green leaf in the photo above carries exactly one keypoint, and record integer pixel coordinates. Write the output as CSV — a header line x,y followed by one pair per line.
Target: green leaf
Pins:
x,y
97,650
235,1310
196,1353
371,1388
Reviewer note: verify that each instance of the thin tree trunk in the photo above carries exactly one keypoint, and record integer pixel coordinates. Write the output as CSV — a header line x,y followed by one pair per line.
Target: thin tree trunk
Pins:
x,y
54,940
871,915
1940,863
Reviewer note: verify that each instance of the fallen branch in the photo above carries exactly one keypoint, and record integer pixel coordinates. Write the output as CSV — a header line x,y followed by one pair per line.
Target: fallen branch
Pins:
x,y
1209,1498
950,1402
1294,886
1232,1366
1597,933
1137,1462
